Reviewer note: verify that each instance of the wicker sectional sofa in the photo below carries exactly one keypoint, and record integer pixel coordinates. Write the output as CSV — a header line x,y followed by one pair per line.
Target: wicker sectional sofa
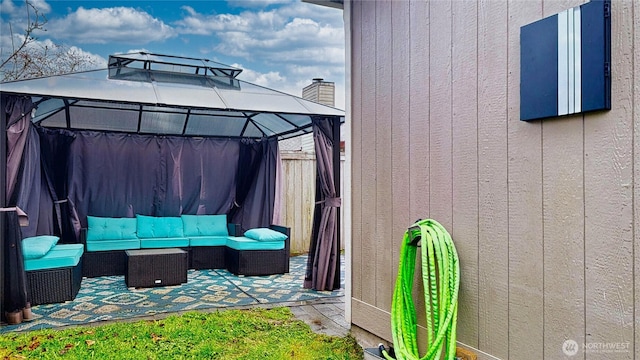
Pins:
x,y
211,243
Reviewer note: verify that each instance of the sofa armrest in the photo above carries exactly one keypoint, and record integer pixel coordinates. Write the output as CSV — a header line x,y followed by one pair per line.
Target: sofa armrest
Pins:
x,y
287,242
283,229
234,229
83,238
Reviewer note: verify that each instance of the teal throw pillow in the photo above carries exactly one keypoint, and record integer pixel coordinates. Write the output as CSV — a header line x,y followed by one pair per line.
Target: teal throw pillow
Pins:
x,y
36,247
265,234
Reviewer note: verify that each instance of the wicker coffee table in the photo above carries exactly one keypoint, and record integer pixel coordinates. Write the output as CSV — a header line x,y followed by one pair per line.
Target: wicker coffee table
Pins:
x,y
156,267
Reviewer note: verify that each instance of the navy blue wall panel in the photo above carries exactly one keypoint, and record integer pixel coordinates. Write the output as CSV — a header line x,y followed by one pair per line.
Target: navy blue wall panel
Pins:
x,y
539,69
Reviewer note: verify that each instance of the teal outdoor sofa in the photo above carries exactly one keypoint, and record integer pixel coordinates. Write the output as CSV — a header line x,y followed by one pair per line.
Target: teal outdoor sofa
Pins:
x,y
211,243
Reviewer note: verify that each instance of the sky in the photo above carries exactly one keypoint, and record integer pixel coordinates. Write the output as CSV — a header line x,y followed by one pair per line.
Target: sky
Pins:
x,y
280,44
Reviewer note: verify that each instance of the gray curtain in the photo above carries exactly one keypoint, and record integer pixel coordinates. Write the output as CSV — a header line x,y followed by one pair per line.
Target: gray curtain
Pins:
x,y
256,185
18,121
324,251
120,175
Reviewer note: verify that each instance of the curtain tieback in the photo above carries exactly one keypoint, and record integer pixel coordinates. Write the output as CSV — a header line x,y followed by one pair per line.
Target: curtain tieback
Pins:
x,y
331,202
23,219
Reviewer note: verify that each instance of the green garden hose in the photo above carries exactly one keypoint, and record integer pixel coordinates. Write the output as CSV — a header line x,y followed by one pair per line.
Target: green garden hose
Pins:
x,y
441,278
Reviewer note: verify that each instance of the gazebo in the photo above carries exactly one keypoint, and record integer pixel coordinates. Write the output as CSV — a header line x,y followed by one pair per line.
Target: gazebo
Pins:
x,y
155,135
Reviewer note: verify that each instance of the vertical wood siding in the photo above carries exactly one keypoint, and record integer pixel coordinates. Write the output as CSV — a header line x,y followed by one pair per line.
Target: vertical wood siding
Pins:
x,y
544,214
493,266
356,152
526,247
465,161
382,225
401,165
636,159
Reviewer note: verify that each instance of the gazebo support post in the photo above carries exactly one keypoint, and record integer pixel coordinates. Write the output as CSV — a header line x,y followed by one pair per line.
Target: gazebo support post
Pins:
x,y
336,179
3,195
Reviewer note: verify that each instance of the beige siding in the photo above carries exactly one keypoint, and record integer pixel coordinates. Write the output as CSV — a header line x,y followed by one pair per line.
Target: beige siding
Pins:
x,y
465,162
382,154
544,214
400,151
419,140
636,158
368,170
493,257
608,181
526,258
356,153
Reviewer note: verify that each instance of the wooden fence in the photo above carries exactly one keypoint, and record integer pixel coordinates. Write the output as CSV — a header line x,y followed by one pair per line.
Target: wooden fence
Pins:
x,y
299,179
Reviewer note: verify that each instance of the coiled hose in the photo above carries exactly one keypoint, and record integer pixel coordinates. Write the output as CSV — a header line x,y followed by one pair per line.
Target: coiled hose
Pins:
x,y
441,278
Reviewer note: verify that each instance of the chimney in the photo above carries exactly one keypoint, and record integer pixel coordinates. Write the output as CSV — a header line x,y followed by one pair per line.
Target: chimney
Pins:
x,y
320,91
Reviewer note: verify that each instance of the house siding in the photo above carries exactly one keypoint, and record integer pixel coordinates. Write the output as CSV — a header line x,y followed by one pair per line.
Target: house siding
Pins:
x,y
544,214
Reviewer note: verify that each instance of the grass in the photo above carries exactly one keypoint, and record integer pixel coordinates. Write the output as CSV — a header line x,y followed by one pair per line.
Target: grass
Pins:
x,y
233,334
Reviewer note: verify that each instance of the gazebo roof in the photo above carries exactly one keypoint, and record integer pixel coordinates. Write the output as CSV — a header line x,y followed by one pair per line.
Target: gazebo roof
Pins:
x,y
169,95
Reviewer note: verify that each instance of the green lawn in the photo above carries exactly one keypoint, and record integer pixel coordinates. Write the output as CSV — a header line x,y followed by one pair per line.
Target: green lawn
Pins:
x,y
232,334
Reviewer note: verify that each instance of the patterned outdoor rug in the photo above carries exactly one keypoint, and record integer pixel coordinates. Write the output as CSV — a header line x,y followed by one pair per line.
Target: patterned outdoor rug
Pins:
x,y
108,298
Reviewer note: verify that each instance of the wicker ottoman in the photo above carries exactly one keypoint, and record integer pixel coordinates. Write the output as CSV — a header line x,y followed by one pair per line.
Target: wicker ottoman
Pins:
x,y
156,267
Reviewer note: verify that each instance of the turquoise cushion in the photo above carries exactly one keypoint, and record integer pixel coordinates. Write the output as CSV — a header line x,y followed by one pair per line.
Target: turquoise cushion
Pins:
x,y
155,243
265,234
107,245
208,241
38,246
105,228
244,243
159,227
205,225
61,256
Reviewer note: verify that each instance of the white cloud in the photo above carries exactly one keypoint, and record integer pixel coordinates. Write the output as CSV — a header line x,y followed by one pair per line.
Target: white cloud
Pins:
x,y
7,7
272,79
287,34
19,10
198,24
256,3
118,24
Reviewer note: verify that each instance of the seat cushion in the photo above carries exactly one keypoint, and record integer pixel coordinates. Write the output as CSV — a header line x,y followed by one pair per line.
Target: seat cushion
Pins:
x,y
63,255
107,245
159,227
106,228
38,246
205,225
244,243
154,243
208,241
265,234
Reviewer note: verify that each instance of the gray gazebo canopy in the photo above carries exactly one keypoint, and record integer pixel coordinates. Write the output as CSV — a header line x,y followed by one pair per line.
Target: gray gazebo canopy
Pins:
x,y
159,94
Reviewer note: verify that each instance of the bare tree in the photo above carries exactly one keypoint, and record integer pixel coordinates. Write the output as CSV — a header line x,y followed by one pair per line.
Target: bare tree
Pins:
x,y
30,58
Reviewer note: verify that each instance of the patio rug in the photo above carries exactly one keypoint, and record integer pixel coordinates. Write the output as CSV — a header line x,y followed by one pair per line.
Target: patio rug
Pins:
x,y
108,298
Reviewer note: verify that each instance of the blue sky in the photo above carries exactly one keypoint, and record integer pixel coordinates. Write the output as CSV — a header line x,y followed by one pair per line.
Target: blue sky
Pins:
x,y
281,44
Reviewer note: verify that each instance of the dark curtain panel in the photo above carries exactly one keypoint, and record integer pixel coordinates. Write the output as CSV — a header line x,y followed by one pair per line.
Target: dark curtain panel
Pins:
x,y
14,294
55,146
18,111
324,251
200,175
249,162
120,175
113,174
255,192
15,289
